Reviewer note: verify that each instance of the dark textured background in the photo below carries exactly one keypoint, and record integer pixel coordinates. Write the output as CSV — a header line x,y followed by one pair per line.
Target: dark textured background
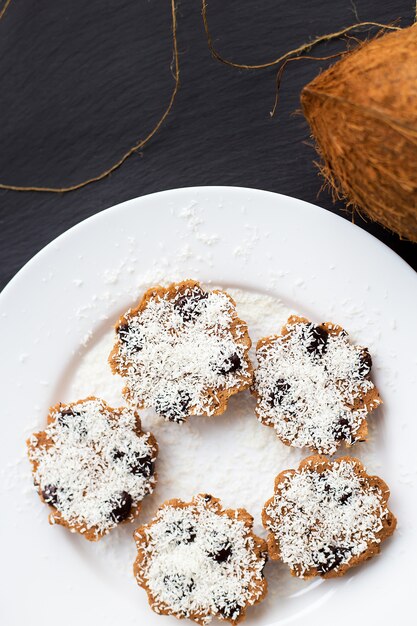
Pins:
x,y
81,81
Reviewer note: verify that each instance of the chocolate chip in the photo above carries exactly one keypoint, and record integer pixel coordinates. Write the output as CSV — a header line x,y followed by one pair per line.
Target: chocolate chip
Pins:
x,y
139,466
172,580
365,363
118,455
122,506
231,364
131,338
122,331
65,415
323,478
330,558
190,538
342,429
222,555
142,466
179,585
68,412
50,494
183,305
175,411
187,532
184,401
181,531
345,497
230,610
277,394
187,304
316,340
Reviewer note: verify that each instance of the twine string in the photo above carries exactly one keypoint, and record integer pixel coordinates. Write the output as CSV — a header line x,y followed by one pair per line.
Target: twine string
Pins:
x,y
306,47
138,145
283,66
4,8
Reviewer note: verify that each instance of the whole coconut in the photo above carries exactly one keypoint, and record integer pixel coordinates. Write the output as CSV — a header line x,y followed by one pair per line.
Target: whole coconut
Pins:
x,y
363,114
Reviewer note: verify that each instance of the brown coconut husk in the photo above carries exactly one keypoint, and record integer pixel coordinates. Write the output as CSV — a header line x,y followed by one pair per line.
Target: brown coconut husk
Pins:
x,y
363,116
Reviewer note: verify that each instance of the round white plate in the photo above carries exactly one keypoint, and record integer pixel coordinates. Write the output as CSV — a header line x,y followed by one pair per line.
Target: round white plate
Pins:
x,y
56,315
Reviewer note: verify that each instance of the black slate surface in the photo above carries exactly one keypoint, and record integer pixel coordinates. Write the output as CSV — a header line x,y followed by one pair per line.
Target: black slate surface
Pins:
x,y
81,81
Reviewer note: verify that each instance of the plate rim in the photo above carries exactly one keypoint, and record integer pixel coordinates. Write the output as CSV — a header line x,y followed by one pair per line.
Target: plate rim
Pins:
x,y
202,188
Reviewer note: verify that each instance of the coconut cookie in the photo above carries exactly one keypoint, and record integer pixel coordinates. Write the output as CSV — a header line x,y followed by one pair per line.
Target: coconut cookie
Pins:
x,y
327,517
198,561
313,386
182,351
92,465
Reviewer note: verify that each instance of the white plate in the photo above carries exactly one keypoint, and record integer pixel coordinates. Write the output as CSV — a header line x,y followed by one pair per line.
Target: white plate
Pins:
x,y
55,317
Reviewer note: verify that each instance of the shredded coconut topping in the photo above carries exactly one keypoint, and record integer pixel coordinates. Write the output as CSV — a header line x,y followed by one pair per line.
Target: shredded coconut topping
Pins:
x,y
313,386
199,562
323,519
92,464
184,352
